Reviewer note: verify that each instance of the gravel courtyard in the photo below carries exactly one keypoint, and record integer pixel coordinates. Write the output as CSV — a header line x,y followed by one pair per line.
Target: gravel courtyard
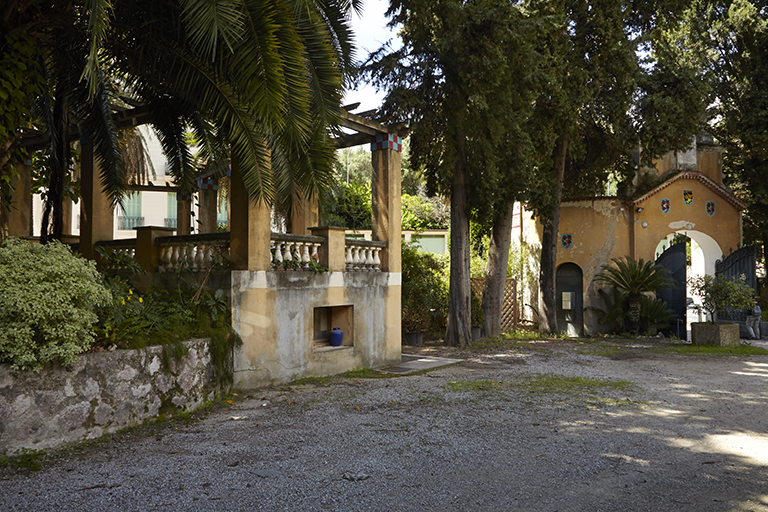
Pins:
x,y
542,426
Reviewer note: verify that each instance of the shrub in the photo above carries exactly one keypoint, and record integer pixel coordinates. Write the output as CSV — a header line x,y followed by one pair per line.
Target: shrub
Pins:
x,y
424,293
48,302
720,293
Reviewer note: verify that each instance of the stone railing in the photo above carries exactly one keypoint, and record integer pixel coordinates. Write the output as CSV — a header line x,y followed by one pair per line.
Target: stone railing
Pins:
x,y
125,249
155,251
363,255
294,251
193,252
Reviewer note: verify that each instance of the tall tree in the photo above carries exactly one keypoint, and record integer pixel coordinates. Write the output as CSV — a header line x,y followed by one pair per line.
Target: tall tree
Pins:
x,y
454,81
597,103
731,39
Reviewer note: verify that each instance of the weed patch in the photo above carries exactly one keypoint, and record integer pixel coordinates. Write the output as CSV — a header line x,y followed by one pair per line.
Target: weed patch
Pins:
x,y
689,350
24,458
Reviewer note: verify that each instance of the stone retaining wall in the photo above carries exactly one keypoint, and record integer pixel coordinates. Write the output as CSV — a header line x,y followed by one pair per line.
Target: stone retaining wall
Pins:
x,y
101,393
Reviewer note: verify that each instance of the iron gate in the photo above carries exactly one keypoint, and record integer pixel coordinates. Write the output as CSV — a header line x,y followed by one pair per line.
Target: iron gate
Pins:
x,y
674,260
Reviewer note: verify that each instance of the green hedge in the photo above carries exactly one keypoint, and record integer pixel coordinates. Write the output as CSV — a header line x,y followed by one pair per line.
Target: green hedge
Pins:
x,y
48,303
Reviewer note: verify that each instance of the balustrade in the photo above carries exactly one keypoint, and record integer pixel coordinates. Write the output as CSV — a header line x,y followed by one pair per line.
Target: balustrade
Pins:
x,y
363,255
294,251
124,250
193,252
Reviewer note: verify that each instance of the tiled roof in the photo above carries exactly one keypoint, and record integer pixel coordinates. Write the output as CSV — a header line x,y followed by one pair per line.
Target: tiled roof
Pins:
x,y
697,176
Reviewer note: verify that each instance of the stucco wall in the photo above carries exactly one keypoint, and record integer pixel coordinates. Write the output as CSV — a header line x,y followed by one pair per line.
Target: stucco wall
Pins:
x,y
273,311
724,226
601,231
99,394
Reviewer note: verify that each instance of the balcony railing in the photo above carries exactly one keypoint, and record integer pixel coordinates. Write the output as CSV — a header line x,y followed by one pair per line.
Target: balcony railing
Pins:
x,y
363,255
124,251
170,223
127,223
294,251
200,252
193,252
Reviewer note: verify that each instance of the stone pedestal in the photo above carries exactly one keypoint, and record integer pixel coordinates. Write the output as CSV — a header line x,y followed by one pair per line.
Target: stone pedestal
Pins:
x,y
719,334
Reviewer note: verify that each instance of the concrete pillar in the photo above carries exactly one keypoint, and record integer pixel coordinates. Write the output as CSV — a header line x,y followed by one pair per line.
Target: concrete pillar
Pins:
x,y
249,227
385,200
183,213
147,253
97,217
17,220
208,206
332,254
67,206
306,214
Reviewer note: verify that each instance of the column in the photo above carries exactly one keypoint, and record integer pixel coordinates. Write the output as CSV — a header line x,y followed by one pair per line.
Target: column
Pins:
x,y
385,197
97,217
305,215
17,220
249,227
183,213
208,205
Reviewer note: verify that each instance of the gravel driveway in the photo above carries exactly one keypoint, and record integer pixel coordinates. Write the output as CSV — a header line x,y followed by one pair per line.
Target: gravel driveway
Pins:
x,y
545,426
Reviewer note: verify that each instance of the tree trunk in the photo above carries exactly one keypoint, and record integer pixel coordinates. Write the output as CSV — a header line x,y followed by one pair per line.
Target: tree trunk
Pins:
x,y
52,226
496,272
548,270
459,330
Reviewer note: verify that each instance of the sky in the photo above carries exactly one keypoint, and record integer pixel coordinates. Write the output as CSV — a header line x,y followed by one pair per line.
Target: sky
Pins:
x,y
370,33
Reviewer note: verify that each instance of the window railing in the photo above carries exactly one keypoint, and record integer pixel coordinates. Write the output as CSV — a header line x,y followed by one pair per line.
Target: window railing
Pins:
x,y
127,223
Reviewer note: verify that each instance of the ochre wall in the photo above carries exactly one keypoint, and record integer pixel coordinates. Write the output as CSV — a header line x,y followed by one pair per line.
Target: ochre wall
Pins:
x,y
273,311
724,226
710,162
601,231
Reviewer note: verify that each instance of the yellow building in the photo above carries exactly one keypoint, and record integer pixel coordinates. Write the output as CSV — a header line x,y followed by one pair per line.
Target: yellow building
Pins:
x,y
690,198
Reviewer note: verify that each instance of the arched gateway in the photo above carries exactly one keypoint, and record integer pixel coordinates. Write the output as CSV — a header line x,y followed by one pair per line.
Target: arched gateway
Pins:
x,y
691,200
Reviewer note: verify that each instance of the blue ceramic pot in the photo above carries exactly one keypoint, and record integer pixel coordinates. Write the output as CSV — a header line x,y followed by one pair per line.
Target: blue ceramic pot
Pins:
x,y
335,337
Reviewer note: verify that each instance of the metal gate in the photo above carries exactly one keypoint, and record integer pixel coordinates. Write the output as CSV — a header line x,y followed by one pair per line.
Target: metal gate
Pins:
x,y
742,263
674,260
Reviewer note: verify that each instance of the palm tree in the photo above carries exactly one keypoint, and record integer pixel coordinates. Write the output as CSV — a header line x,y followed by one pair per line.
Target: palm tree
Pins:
x,y
635,278
258,80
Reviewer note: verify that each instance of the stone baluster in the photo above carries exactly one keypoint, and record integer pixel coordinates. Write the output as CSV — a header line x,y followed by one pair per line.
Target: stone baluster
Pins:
x,y
348,258
305,256
278,260
200,256
376,259
287,251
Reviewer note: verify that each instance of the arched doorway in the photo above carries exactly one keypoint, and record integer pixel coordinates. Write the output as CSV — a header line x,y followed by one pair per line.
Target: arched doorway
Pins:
x,y
570,307
702,251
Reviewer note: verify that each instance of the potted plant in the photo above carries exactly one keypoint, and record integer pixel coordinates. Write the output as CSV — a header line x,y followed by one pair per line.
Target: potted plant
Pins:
x,y
719,293
477,316
423,294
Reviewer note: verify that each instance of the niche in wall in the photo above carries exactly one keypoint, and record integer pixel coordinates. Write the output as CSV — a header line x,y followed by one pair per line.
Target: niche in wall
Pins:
x,y
328,317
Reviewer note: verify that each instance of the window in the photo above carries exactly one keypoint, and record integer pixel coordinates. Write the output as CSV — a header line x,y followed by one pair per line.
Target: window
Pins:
x,y
171,210
131,217
221,216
